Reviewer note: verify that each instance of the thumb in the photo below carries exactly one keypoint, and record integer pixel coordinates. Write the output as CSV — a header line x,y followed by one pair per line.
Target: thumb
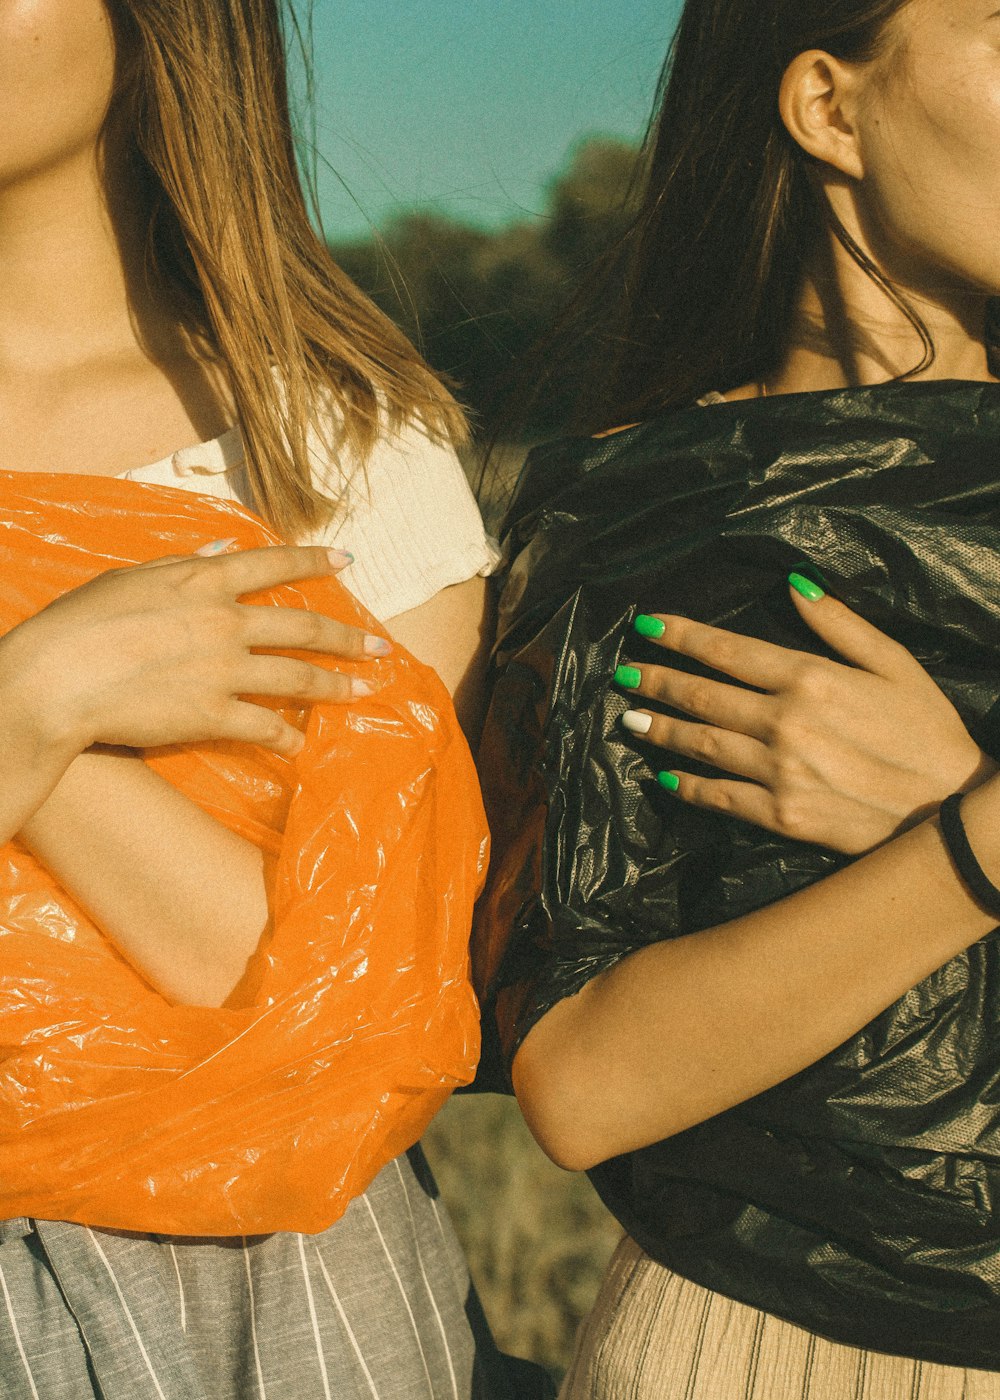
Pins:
x,y
856,640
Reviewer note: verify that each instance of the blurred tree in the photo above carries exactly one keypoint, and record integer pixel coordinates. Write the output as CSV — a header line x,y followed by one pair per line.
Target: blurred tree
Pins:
x,y
589,203
476,301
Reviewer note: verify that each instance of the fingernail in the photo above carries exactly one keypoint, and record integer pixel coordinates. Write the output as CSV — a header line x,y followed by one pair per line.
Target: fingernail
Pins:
x,y
648,626
630,677
636,722
806,587
360,689
216,547
340,558
808,569
668,781
377,646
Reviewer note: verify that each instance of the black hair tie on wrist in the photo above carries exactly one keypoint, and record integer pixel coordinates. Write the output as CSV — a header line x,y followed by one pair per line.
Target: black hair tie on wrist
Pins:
x,y
961,852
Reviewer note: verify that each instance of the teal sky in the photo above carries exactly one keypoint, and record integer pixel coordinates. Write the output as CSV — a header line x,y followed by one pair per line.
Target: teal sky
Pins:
x,y
470,108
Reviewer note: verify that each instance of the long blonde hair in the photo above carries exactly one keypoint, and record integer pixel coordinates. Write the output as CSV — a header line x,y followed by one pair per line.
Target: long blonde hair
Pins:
x,y
202,89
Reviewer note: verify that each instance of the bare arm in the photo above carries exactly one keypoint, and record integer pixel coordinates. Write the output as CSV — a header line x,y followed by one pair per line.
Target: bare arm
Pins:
x,y
181,896
149,656
453,632
685,1029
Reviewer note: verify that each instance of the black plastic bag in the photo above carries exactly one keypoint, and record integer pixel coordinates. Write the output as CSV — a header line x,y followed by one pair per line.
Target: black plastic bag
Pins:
x,y
856,1199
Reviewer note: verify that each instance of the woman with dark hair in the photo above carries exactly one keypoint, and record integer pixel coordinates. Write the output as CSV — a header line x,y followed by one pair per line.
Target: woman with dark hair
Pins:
x,y
779,1064
191,1080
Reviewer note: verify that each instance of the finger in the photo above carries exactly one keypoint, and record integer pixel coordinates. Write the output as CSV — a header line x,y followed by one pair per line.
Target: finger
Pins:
x,y
761,664
159,563
289,679
300,629
246,723
746,801
856,640
252,570
732,753
727,706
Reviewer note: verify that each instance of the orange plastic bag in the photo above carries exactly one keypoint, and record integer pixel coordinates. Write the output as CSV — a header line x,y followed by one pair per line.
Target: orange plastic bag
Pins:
x,y
119,1109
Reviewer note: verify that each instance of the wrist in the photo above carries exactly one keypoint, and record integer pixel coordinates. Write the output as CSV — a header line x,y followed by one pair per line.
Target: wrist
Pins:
x,y
979,812
976,771
36,721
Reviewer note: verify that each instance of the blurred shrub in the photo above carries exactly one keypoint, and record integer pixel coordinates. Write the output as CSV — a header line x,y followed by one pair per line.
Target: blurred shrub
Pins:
x,y
537,1238
475,301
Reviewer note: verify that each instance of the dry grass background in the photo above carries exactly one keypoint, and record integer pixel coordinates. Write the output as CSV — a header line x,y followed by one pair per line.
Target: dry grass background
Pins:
x,y
537,1238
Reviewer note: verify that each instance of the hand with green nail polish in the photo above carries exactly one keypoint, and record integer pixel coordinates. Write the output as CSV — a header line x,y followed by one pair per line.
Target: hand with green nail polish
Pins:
x,y
841,755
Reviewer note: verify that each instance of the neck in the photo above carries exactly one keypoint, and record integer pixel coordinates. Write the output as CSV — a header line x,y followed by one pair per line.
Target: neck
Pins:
x,y
70,272
847,331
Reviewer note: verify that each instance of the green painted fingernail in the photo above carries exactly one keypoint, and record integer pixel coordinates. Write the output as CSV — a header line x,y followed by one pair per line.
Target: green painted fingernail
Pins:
x,y
808,569
806,587
648,626
628,676
668,781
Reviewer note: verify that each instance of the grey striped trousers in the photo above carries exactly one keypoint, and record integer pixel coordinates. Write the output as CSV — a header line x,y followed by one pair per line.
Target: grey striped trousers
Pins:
x,y
371,1309
655,1336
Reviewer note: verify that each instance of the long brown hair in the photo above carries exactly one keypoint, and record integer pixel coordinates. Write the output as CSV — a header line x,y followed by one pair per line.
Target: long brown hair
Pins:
x,y
202,88
708,276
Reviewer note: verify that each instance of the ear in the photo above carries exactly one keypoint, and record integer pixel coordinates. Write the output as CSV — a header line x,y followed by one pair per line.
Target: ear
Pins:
x,y
819,102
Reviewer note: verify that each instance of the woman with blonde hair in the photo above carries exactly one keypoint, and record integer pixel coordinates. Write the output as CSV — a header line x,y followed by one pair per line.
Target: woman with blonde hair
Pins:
x,y
741,929
175,341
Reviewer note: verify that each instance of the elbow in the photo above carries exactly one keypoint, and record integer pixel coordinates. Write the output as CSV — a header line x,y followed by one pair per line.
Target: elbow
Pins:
x,y
568,1151
564,1118
207,988
585,1094
208,977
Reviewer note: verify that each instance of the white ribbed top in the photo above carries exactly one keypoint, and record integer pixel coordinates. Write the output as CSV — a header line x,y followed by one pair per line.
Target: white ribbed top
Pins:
x,y
409,518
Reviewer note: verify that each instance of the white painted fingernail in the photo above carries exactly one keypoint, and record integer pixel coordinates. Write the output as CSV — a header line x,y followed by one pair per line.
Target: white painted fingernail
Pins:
x,y
340,558
216,547
377,646
359,688
636,722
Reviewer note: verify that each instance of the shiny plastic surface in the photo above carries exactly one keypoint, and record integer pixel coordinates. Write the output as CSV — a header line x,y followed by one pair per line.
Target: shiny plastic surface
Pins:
x,y
357,1020
859,1199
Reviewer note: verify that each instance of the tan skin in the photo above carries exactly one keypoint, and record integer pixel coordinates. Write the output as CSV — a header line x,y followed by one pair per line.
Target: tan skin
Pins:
x,y
96,378
847,754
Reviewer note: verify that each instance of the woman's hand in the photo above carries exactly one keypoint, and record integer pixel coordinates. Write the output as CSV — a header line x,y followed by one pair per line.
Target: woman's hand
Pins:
x,y
160,653
844,756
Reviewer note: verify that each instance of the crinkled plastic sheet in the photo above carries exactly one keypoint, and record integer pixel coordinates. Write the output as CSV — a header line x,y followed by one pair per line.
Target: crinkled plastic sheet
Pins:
x,y
860,1198
357,1019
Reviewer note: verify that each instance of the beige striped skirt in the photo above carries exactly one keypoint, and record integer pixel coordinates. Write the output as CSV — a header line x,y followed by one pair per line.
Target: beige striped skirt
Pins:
x,y
655,1336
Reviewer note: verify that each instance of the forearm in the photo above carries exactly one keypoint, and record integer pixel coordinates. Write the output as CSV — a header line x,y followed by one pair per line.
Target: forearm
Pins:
x,y
29,771
687,1028
182,897
34,754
